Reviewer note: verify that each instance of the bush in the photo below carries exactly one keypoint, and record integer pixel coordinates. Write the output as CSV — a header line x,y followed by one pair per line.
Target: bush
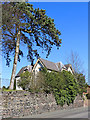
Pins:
x,y
63,85
81,83
25,80
33,83
4,88
88,96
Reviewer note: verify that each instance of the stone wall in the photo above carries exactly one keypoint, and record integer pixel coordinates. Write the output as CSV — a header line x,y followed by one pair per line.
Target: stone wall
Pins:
x,y
23,103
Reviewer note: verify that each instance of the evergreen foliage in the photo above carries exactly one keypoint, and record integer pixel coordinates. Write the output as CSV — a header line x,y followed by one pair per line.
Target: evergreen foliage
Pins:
x,y
63,85
81,82
88,96
37,30
25,80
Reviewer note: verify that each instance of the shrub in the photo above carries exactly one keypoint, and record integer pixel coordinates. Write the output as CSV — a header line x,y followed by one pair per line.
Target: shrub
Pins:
x,y
81,83
63,85
25,80
29,81
4,88
88,96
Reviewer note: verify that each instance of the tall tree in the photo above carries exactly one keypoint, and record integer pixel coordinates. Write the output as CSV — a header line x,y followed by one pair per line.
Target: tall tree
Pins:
x,y
21,23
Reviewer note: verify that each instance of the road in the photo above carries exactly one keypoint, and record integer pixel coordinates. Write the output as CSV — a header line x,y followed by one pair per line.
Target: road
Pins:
x,y
81,112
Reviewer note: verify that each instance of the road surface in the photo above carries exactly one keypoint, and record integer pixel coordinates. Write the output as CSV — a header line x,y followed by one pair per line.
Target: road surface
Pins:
x,y
81,112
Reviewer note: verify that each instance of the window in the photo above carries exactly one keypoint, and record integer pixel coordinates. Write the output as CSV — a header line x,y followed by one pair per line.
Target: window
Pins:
x,y
39,69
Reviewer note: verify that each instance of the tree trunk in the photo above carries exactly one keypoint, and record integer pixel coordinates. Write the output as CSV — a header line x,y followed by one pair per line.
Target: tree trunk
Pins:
x,y
15,61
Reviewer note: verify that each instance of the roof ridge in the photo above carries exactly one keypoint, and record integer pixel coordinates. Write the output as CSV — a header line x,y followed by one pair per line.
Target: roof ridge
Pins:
x,y
47,60
49,64
22,69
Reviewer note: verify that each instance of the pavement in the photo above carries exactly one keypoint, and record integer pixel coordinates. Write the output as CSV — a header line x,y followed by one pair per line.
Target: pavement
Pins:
x,y
81,112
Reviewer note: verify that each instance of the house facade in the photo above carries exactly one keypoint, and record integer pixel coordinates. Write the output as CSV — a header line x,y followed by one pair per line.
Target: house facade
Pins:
x,y
22,70
41,63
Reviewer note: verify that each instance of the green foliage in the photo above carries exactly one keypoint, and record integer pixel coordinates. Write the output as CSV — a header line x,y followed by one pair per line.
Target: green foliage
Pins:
x,y
25,80
63,85
5,88
88,96
81,83
34,26
31,82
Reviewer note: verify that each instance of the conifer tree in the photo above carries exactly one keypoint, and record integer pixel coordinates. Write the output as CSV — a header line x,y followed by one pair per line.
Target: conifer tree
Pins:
x,y
21,23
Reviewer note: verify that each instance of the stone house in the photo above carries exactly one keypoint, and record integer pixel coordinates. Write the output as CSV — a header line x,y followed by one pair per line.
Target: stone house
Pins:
x,y
40,63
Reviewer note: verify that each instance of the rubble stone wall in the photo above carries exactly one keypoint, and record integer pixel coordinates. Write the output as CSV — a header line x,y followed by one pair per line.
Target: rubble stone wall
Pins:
x,y
22,103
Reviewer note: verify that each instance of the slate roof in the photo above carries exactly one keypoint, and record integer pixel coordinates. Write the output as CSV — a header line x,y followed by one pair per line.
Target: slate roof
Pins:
x,y
60,65
49,65
23,69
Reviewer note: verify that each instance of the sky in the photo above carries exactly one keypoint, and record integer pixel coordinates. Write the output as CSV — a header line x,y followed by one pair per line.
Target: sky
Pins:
x,y
71,18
